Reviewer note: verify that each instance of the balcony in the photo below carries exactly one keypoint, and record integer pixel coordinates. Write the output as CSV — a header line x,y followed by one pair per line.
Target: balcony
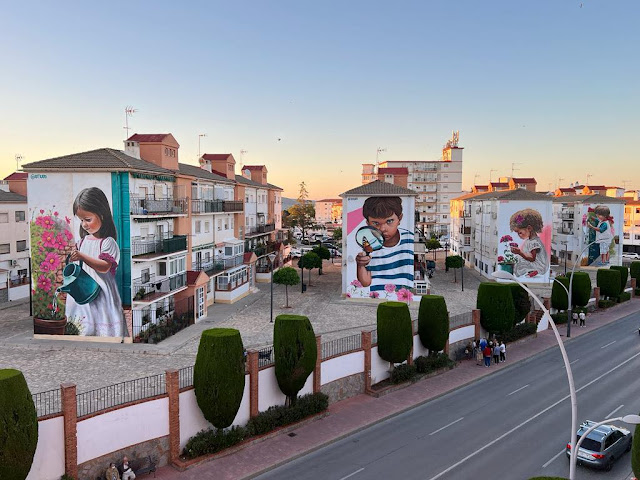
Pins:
x,y
154,245
233,206
260,229
465,230
216,206
567,215
218,264
151,205
150,288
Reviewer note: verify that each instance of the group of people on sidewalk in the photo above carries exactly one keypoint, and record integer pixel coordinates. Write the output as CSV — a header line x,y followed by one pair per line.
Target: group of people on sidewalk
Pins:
x,y
582,316
485,350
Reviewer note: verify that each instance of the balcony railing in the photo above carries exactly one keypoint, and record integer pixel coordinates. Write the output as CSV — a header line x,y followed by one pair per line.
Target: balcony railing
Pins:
x,y
150,288
465,230
218,264
567,216
206,206
153,244
233,206
149,204
259,229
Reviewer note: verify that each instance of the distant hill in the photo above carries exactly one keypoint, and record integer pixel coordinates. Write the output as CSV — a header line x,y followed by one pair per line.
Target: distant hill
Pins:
x,y
288,202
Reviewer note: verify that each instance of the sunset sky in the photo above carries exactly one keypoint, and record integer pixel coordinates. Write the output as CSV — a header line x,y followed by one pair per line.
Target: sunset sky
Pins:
x,y
312,89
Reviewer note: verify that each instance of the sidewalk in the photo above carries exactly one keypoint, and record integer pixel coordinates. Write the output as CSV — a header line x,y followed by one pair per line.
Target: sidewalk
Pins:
x,y
357,413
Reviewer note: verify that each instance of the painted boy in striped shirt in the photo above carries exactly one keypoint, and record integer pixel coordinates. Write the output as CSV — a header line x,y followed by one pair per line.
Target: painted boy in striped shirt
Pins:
x,y
392,265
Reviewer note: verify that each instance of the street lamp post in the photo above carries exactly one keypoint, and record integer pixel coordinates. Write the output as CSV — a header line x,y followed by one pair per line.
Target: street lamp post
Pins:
x,y
271,257
501,274
570,306
631,419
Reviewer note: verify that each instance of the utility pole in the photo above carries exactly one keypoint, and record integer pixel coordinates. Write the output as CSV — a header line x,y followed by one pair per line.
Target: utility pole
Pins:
x,y
513,167
19,158
560,180
378,152
200,135
128,112
490,173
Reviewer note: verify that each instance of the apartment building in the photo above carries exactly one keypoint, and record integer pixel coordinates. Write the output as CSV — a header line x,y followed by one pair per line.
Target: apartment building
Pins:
x,y
435,182
14,239
329,211
631,236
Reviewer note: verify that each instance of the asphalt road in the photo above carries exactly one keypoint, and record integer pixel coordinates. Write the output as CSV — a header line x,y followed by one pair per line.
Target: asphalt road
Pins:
x,y
511,425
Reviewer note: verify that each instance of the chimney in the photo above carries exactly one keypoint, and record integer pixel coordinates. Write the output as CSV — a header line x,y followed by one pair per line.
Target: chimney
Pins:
x,y
158,148
205,164
132,148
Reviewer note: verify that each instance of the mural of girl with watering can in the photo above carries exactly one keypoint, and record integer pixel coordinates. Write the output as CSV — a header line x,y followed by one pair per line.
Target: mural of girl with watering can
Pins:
x,y
90,285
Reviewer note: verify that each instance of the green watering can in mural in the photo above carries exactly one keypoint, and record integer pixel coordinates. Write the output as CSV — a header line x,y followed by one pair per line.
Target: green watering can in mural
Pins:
x,y
78,283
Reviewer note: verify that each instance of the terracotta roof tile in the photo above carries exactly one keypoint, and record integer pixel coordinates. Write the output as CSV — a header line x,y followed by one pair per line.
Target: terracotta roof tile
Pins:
x,y
381,189
12,197
524,180
17,176
216,156
394,170
148,137
253,167
196,171
595,198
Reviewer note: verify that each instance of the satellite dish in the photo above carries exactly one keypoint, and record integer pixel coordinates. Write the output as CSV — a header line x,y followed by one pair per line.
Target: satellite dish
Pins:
x,y
370,239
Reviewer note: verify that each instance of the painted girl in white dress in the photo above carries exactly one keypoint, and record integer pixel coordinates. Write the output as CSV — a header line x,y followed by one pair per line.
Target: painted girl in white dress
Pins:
x,y
99,253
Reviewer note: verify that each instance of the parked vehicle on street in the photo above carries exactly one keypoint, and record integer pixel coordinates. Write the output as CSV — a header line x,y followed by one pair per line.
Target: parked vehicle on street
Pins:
x,y
296,253
631,255
603,446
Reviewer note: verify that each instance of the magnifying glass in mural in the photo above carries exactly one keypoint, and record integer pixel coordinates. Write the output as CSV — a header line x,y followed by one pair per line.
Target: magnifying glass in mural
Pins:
x,y
369,238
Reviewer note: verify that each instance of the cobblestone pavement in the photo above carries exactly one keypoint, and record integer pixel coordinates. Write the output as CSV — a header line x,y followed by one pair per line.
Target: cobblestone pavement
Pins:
x,y
90,365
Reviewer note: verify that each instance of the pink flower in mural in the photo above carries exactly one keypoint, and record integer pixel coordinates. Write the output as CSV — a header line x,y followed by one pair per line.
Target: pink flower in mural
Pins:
x,y
67,219
500,258
55,214
405,295
48,239
45,222
513,244
356,283
41,211
51,262
44,283
389,288
374,294
348,295
506,238
69,235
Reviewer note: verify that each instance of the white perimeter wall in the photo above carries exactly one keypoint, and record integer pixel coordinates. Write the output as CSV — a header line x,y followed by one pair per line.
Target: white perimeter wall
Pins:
x,y
192,420
269,393
48,462
120,428
462,333
379,367
16,293
342,366
418,348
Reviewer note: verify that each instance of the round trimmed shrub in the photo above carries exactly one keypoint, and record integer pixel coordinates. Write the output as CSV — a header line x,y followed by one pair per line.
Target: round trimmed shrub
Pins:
x,y
395,333
433,323
580,289
295,351
624,275
634,270
609,282
18,426
521,302
559,298
496,307
218,375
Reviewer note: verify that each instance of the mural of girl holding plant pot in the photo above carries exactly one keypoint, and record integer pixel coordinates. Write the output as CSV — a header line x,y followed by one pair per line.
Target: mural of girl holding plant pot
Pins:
x,y
507,260
532,258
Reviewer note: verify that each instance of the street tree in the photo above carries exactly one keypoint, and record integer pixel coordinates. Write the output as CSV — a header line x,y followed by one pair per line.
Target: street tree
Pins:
x,y
286,276
433,244
337,234
455,262
310,261
323,253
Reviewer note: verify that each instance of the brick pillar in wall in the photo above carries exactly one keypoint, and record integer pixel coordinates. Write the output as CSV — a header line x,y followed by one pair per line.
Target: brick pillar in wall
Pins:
x,y
317,371
634,284
596,295
70,415
475,314
128,321
172,381
252,359
366,347
546,301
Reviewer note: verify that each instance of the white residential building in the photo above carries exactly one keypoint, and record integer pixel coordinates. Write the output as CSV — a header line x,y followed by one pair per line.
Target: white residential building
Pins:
x,y
328,211
631,238
14,245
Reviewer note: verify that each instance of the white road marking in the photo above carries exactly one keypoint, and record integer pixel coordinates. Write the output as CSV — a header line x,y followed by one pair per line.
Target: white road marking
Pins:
x,y
515,391
611,414
571,363
352,474
553,458
440,429
530,419
610,343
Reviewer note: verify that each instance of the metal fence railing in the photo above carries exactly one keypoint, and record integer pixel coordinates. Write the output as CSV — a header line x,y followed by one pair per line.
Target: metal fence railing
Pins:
x,y
374,337
341,345
461,319
47,403
120,393
185,377
265,356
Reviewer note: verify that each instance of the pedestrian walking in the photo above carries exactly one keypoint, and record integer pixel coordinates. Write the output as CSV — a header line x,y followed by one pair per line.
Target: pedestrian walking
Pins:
x,y
496,353
483,343
575,318
503,352
583,317
486,353
479,356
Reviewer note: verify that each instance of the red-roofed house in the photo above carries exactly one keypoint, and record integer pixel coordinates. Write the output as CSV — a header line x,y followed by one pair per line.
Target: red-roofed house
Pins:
x,y
563,192
158,148
18,182
594,189
528,183
499,186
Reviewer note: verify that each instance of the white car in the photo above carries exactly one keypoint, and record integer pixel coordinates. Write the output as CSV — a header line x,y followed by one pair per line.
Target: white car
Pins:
x,y
296,253
631,255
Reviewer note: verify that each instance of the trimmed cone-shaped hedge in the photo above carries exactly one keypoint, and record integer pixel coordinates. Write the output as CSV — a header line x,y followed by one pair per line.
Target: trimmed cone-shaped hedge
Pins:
x,y
433,323
18,426
559,299
634,270
295,350
495,303
609,282
395,333
635,451
218,375
624,275
521,302
580,289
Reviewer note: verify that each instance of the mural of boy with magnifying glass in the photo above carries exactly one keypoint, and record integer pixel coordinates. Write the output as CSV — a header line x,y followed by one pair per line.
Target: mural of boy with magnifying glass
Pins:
x,y
391,267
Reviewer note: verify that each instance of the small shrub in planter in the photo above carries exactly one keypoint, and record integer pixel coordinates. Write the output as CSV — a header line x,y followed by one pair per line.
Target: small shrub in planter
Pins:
x,y
606,303
624,275
559,299
521,330
433,323
278,416
624,296
206,442
637,292
560,318
609,282
395,331
403,373
495,303
432,363
581,289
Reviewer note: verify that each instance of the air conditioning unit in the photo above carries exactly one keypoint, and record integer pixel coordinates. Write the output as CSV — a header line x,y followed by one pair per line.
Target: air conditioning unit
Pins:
x,y
14,263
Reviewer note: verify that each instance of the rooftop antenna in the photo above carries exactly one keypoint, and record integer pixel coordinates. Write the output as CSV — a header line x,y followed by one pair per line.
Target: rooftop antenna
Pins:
x,y
513,167
624,184
128,112
490,172
560,180
588,176
475,177
378,152
200,135
242,152
19,158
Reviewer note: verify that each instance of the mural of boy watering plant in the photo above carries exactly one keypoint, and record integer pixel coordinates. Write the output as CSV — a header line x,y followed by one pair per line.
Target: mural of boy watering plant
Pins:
x,y
604,231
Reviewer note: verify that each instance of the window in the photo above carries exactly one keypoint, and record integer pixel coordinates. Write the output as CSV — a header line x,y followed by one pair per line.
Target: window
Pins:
x,y
207,227
22,273
162,268
219,224
20,216
145,276
21,245
5,248
228,251
4,218
198,226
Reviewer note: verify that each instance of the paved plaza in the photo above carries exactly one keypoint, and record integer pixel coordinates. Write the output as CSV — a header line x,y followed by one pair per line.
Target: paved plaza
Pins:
x,y
90,365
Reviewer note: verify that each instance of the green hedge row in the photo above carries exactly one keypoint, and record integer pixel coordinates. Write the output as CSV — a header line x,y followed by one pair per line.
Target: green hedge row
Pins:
x,y
432,363
560,318
606,303
624,297
519,331
497,310
609,282
559,299
624,275
403,373
212,441
433,323
395,331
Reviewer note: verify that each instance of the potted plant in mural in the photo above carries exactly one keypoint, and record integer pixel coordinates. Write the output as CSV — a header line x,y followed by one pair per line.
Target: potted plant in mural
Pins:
x,y
508,259
50,239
